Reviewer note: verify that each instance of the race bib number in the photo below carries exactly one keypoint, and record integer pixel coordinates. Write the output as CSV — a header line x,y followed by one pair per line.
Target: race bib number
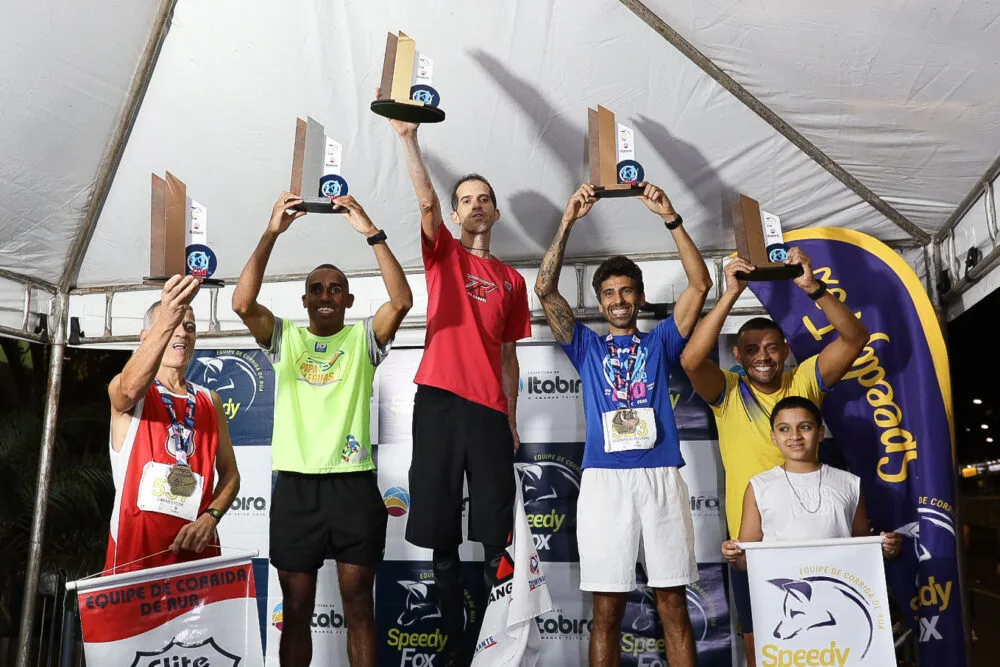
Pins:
x,y
629,428
155,496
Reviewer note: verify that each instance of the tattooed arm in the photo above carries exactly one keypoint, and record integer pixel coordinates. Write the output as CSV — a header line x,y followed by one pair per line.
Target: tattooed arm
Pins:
x,y
557,309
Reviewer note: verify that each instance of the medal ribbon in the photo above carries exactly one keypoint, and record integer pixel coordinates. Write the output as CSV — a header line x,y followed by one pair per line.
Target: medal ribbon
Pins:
x,y
184,446
622,372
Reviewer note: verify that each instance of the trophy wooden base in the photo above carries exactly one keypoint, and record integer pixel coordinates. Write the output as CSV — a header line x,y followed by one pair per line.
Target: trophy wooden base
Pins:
x,y
770,272
318,205
408,112
159,281
618,190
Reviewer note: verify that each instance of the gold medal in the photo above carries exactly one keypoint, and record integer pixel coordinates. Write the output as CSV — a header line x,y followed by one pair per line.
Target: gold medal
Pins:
x,y
181,480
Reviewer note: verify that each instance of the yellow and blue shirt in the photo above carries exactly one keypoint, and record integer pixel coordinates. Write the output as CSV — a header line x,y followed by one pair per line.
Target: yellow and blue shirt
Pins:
x,y
743,417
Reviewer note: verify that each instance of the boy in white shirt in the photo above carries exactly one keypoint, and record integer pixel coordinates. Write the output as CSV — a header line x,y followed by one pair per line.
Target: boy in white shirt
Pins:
x,y
802,499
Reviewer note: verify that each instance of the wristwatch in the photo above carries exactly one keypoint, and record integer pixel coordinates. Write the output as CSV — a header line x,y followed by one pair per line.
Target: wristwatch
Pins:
x,y
818,293
675,224
377,238
214,513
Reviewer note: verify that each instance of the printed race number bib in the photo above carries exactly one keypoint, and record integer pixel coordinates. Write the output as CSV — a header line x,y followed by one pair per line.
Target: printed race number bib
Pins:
x,y
155,496
629,428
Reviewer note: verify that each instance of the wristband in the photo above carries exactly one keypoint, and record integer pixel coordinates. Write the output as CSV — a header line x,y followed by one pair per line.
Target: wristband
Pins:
x,y
820,292
376,238
675,224
214,513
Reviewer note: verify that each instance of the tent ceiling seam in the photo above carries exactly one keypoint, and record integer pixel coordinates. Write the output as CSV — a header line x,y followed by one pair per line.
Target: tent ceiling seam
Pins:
x,y
774,120
117,143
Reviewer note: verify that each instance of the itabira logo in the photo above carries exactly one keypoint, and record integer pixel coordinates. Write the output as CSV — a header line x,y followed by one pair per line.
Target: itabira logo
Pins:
x,y
397,501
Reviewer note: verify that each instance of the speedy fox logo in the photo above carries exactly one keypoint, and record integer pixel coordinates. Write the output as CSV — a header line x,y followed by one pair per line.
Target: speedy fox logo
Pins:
x,y
932,517
817,602
418,605
539,481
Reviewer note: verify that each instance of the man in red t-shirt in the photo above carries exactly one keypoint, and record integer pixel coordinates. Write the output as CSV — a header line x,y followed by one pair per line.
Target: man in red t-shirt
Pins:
x,y
168,439
464,413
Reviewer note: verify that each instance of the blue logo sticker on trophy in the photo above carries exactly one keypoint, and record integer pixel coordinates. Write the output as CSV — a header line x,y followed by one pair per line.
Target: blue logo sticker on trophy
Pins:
x,y
201,260
774,242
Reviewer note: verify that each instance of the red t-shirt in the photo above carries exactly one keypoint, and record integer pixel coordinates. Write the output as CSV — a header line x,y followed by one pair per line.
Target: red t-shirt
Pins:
x,y
473,306
137,533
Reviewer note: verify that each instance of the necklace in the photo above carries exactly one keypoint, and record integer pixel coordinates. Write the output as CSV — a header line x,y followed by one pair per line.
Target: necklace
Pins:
x,y
472,249
819,490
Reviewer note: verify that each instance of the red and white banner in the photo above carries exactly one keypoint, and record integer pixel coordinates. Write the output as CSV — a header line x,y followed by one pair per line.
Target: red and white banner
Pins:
x,y
197,614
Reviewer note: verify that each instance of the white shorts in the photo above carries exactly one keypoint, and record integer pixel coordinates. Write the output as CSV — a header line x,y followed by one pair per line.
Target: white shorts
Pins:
x,y
625,515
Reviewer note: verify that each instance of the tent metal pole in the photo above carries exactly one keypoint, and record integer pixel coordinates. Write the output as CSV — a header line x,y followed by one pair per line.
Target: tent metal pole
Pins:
x,y
116,145
37,283
991,173
60,319
21,333
774,120
991,213
26,315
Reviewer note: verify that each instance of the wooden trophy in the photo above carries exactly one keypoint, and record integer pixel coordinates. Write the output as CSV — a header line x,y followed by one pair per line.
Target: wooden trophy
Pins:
x,y
760,242
316,162
177,234
613,169
406,91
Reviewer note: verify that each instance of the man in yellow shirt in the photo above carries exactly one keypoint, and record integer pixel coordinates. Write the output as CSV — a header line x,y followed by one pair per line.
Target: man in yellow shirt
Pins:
x,y
742,405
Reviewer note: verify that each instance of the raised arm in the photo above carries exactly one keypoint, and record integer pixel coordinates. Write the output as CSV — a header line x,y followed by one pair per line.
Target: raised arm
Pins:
x,y
840,354
259,319
705,375
391,313
134,381
198,534
510,375
692,299
557,310
427,199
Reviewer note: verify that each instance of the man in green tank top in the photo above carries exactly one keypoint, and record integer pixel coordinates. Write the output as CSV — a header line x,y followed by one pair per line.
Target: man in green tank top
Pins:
x,y
321,446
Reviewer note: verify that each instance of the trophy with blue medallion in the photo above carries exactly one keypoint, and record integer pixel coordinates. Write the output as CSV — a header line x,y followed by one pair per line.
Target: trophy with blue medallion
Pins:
x,y
760,242
316,165
406,92
178,235
614,171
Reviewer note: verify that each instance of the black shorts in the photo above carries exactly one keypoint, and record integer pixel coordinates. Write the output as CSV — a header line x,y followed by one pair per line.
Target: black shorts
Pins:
x,y
335,515
454,438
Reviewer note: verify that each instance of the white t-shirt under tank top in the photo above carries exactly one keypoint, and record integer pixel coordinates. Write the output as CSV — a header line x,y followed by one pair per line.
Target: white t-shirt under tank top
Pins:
x,y
786,515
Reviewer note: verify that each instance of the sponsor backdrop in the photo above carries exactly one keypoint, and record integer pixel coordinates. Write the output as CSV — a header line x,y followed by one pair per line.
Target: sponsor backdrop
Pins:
x,y
551,424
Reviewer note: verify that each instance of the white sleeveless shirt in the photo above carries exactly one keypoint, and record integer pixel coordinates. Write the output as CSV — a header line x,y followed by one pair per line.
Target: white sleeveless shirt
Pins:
x,y
782,515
